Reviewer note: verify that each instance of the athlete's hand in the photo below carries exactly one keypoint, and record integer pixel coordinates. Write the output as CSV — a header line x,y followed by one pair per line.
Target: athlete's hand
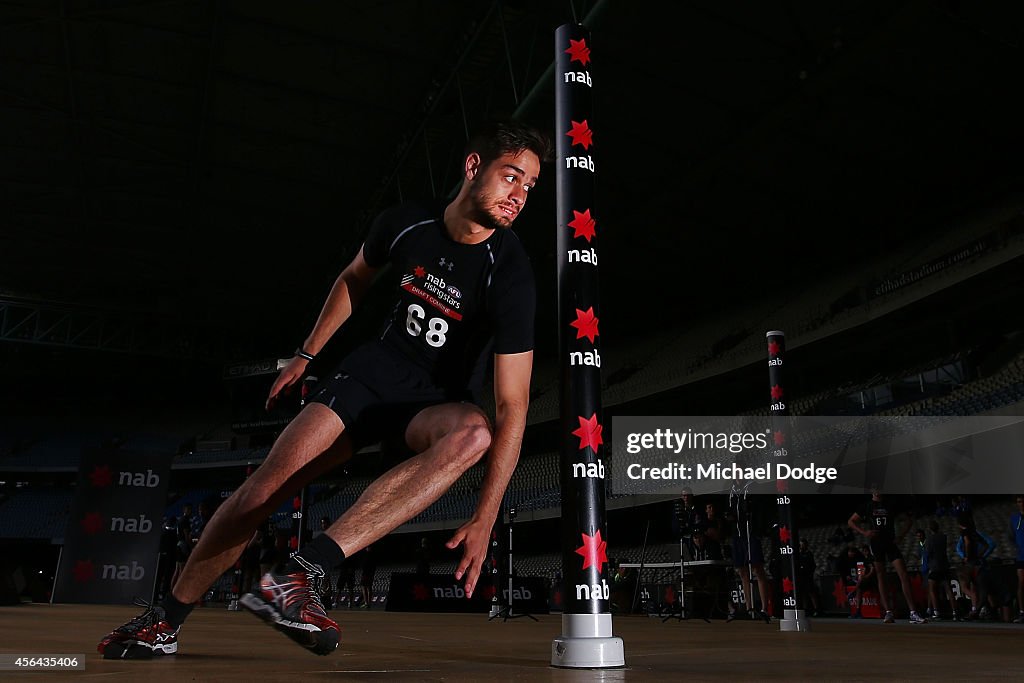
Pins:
x,y
290,374
474,536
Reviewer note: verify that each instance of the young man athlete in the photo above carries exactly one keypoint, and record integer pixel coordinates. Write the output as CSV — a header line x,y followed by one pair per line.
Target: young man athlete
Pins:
x,y
466,296
881,534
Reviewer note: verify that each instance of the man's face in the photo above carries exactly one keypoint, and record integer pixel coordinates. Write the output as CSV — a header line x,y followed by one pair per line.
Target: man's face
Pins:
x,y
500,188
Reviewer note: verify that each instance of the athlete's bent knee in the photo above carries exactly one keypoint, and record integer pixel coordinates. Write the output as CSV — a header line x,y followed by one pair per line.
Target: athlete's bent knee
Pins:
x,y
472,441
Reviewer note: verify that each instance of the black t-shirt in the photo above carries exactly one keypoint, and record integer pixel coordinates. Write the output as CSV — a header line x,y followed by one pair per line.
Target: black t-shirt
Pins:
x,y
456,303
880,516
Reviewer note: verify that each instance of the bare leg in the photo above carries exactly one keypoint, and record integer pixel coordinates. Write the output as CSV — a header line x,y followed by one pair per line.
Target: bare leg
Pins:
x,y
901,572
967,587
883,593
762,586
293,462
449,438
948,586
933,598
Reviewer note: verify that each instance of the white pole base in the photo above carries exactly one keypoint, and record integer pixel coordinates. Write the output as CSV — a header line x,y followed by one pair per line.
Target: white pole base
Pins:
x,y
587,643
794,620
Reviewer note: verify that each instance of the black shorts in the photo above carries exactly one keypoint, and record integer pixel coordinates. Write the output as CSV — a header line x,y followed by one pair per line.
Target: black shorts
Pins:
x,y
739,551
939,575
376,392
884,549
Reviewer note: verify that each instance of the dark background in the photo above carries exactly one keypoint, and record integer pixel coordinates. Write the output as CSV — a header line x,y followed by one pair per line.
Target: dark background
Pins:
x,y
195,174
181,182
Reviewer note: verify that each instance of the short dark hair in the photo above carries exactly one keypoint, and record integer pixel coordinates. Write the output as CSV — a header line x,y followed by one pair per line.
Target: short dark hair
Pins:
x,y
496,137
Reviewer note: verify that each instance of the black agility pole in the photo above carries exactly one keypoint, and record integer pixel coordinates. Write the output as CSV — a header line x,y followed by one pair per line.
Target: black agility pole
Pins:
x,y
794,619
586,640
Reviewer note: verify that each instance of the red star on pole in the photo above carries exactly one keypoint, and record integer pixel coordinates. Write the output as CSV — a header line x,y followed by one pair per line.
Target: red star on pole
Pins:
x,y
419,592
581,134
589,433
593,551
578,51
781,485
83,571
586,324
773,348
419,271
101,476
787,585
776,392
784,535
583,224
779,438
92,523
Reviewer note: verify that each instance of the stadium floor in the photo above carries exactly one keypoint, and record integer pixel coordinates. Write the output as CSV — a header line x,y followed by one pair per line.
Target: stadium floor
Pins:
x,y
220,645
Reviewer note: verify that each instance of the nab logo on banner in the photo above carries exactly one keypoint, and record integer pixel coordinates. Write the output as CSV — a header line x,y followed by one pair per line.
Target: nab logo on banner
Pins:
x,y
434,593
101,477
111,548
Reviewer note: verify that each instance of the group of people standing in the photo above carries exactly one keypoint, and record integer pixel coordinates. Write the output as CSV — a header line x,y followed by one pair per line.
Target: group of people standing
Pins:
x,y
737,535
974,576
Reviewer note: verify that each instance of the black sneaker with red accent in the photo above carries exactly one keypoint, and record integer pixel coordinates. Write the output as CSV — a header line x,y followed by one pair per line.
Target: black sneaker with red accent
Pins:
x,y
291,604
143,637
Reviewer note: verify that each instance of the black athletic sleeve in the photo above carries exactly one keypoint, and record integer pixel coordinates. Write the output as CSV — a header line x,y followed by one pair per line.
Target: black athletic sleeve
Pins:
x,y
513,301
385,229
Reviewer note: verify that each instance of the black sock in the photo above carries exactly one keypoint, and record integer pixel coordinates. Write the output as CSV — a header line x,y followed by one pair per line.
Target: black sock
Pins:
x,y
176,611
322,551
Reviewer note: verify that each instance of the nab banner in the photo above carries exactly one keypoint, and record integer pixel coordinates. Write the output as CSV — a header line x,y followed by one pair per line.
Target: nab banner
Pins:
x,y
112,542
436,593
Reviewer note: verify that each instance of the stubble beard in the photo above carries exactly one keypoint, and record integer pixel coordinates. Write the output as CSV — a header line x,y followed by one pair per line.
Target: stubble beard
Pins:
x,y
486,212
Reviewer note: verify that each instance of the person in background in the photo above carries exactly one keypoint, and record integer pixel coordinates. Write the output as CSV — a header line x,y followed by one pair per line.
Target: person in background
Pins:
x,y
880,517
939,573
806,583
369,569
1017,534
